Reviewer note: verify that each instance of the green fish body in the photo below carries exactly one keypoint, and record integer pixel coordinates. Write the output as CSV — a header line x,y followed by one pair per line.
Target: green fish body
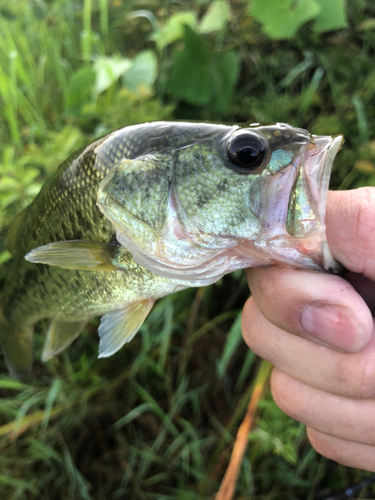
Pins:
x,y
154,208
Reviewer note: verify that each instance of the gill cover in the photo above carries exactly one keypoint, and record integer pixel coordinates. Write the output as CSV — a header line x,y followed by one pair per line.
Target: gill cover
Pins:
x,y
237,198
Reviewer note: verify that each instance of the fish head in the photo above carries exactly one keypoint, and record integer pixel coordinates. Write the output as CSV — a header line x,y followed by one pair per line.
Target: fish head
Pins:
x,y
222,199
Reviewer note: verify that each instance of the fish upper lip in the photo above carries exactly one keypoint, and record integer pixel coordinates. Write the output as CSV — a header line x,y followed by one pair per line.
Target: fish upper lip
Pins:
x,y
318,173
328,147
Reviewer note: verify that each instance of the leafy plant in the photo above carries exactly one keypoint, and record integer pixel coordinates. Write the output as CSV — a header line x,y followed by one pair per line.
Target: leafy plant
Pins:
x,y
202,78
158,420
199,73
281,19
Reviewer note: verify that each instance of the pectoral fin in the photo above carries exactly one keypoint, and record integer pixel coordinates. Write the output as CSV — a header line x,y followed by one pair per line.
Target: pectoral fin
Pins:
x,y
118,327
60,335
76,254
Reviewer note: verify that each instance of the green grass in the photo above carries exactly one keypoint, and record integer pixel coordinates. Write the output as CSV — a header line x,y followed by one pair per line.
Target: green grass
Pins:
x,y
158,419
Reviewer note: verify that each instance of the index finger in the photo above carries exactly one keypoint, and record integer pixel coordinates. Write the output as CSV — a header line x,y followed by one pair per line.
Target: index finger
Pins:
x,y
350,221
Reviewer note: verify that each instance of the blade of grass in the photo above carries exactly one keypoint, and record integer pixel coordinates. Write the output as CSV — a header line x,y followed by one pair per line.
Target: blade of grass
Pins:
x,y
349,179
362,124
296,71
309,93
17,427
228,484
86,35
103,5
232,341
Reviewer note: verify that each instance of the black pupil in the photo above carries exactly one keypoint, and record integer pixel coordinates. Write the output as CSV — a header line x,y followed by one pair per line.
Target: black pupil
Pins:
x,y
246,151
247,156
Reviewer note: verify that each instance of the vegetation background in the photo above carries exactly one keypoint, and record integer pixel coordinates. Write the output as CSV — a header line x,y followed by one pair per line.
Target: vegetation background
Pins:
x,y
159,418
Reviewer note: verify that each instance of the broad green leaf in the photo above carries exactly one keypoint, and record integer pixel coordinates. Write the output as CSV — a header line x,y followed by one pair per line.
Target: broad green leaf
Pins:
x,y
216,17
191,72
143,72
225,75
281,19
80,89
174,28
108,70
332,15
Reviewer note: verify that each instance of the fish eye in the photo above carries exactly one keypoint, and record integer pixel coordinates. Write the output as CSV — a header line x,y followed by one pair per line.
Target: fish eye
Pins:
x,y
246,151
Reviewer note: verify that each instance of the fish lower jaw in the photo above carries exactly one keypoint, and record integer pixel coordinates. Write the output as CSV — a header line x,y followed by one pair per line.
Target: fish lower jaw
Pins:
x,y
199,266
285,251
313,252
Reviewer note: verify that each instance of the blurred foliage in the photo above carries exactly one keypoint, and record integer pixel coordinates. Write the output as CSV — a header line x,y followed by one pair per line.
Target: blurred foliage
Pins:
x,y
158,419
281,19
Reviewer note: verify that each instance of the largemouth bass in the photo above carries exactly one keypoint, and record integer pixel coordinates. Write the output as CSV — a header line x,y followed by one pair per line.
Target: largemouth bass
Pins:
x,y
154,208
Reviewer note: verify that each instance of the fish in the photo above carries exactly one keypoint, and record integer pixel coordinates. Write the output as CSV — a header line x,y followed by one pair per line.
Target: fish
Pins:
x,y
151,209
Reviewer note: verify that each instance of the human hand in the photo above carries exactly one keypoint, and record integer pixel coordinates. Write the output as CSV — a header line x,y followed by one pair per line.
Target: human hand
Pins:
x,y
318,332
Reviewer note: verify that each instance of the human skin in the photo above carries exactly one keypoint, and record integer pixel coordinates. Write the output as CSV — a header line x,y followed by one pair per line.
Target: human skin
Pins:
x,y
318,331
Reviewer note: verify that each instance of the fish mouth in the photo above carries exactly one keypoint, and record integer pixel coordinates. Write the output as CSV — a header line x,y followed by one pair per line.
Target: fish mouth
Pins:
x,y
308,200
291,206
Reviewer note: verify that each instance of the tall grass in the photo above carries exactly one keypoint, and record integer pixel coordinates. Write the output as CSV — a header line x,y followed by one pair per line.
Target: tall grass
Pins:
x,y
158,420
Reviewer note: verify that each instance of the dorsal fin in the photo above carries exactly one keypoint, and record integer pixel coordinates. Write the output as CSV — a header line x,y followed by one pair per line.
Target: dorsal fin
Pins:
x,y
11,238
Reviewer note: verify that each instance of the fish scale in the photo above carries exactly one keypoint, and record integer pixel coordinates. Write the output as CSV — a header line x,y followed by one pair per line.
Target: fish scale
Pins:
x,y
148,210
60,221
